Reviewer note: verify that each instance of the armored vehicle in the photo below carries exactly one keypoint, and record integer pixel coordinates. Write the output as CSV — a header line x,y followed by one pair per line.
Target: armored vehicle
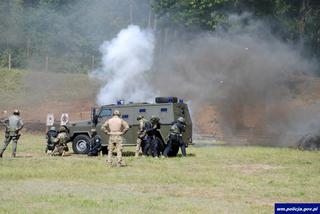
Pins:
x,y
168,109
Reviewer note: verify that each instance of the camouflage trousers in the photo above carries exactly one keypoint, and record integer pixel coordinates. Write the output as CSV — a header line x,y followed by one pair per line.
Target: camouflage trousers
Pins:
x,y
115,142
6,142
138,146
59,149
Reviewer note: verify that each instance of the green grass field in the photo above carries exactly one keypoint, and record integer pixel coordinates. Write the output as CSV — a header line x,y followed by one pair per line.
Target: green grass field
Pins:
x,y
214,179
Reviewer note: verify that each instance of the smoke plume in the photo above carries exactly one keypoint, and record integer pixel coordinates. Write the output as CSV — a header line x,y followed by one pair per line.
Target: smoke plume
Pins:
x,y
126,60
249,75
254,80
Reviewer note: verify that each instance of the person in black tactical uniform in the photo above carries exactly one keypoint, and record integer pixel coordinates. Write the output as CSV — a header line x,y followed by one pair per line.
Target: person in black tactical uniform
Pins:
x,y
51,135
146,143
13,125
94,143
175,138
158,145
153,143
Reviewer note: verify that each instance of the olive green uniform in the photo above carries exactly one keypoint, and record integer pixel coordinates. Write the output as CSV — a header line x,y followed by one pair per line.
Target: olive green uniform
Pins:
x,y
141,134
13,125
61,144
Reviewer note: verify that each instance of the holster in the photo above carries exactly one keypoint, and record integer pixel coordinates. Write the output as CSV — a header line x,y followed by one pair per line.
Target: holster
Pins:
x,y
7,134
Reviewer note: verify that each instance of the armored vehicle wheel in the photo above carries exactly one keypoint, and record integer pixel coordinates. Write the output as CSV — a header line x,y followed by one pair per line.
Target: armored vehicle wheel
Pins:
x,y
80,144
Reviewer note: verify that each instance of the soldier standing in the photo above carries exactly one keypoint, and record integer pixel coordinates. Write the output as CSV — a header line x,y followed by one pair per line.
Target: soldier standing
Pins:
x,y
13,125
141,133
175,137
157,142
115,127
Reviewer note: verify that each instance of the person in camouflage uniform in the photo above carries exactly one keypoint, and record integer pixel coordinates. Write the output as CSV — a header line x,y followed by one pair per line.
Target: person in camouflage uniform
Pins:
x,y
60,141
115,127
141,133
175,137
13,125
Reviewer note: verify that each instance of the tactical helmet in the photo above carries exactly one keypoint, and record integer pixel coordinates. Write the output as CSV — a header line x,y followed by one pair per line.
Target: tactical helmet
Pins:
x,y
116,112
62,129
181,120
140,117
53,128
154,118
16,112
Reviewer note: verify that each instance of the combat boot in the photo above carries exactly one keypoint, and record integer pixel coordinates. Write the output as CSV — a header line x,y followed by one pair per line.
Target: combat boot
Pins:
x,y
136,154
109,164
13,155
121,164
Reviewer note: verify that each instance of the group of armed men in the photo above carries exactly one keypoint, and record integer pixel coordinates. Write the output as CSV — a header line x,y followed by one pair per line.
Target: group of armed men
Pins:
x,y
149,139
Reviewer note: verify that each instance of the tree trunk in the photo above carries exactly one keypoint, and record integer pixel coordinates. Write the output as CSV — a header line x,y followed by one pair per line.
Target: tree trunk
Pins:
x,y
46,63
131,11
9,61
304,10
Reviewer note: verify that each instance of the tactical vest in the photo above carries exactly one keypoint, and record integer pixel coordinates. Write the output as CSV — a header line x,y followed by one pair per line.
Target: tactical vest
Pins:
x,y
63,138
175,129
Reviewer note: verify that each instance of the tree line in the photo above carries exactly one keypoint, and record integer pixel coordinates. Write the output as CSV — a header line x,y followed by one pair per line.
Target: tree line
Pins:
x,y
294,21
67,33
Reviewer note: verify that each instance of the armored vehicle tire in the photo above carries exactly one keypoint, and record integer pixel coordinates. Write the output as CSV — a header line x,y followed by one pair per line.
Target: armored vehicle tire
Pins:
x,y
80,144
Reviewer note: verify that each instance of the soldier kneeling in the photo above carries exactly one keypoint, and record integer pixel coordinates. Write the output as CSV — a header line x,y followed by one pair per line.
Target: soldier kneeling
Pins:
x,y
94,144
51,136
61,140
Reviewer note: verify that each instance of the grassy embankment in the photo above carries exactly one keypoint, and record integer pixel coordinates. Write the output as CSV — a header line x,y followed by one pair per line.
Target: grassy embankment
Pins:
x,y
211,180
23,88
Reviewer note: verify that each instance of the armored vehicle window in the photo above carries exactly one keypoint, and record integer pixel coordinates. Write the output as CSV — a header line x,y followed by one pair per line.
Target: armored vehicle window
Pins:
x,y
142,110
105,112
164,110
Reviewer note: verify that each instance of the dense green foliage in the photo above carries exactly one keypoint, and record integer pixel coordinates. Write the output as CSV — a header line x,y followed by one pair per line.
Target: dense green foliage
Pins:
x,y
10,80
68,32
292,20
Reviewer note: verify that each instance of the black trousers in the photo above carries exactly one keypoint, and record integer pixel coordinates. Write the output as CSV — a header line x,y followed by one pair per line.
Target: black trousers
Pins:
x,y
151,146
175,140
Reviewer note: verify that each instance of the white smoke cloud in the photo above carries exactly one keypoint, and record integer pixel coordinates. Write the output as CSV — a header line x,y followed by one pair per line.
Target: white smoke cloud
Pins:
x,y
126,61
